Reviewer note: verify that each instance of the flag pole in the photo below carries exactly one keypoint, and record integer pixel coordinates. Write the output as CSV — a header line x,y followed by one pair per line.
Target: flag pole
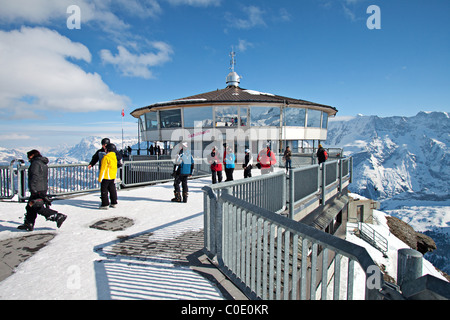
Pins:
x,y
123,114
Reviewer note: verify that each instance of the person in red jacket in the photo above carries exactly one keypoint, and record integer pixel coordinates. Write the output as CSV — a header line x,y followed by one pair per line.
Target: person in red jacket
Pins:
x,y
216,165
266,159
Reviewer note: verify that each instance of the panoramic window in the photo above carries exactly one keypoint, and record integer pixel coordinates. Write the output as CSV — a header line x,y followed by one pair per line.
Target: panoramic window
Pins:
x,y
314,118
324,120
198,117
244,116
170,118
227,116
151,121
142,122
265,116
295,117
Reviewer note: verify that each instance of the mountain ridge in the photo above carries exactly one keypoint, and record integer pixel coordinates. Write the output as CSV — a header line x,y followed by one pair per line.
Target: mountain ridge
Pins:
x,y
397,156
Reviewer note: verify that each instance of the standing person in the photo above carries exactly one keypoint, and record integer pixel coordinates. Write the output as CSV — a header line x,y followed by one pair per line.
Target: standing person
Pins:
x,y
248,164
229,164
185,167
266,159
287,157
38,186
107,175
322,155
216,165
158,150
97,157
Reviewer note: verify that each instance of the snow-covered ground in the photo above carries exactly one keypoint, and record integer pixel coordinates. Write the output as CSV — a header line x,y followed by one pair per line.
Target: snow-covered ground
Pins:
x,y
68,266
71,266
394,244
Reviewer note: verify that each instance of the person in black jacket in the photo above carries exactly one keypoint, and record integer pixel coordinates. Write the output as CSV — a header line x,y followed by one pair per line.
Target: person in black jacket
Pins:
x,y
321,154
38,185
248,164
287,157
97,157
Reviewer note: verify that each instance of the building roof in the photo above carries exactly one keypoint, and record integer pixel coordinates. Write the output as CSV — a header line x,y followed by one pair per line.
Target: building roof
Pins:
x,y
233,94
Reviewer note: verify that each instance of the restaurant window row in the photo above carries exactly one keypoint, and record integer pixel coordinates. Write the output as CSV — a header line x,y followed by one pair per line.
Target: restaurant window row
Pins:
x,y
234,116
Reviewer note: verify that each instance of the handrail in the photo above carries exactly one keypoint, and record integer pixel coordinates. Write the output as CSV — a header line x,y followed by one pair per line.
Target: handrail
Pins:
x,y
66,179
252,242
373,237
266,191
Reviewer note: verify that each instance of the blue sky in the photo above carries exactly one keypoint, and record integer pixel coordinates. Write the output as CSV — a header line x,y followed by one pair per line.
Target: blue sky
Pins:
x,y
58,85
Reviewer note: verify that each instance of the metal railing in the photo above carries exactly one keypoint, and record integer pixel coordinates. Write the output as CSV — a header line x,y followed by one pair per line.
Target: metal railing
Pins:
x,y
265,191
7,178
63,179
66,179
369,234
137,173
303,193
269,256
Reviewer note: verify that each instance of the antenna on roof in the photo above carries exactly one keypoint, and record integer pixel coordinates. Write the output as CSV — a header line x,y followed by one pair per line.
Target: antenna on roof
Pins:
x,y
233,79
233,59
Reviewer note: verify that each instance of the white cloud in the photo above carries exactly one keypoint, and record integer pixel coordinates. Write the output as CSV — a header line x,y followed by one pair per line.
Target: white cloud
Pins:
x,y
99,12
36,11
284,15
341,118
138,65
35,75
15,136
254,18
140,8
196,3
244,45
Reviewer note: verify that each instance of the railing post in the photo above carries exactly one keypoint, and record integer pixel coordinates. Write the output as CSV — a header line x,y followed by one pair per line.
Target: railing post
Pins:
x,y
324,181
21,187
350,169
11,179
219,235
285,196
291,194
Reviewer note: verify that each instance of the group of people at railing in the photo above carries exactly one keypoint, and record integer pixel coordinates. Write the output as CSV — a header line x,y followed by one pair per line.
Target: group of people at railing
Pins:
x,y
110,160
266,161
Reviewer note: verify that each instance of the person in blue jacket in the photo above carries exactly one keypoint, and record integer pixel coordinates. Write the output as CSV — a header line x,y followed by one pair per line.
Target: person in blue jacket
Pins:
x,y
229,160
184,167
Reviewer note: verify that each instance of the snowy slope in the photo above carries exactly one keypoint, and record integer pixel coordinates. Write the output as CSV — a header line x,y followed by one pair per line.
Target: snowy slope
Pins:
x,y
404,162
397,157
68,267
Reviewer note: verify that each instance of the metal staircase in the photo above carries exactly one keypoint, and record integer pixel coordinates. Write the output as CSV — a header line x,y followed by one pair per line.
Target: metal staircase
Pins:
x,y
368,234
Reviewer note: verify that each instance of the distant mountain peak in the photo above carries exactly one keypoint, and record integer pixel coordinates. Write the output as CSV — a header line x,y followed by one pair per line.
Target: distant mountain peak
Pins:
x,y
403,157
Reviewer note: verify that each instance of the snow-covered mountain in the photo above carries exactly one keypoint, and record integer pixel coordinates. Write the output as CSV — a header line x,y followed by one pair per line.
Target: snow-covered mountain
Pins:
x,y
397,157
403,162
81,152
7,155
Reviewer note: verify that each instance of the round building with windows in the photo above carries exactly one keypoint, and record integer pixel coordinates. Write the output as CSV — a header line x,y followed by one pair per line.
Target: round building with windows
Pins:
x,y
239,117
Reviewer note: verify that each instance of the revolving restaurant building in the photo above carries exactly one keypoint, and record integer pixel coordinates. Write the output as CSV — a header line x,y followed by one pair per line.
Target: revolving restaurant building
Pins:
x,y
239,117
